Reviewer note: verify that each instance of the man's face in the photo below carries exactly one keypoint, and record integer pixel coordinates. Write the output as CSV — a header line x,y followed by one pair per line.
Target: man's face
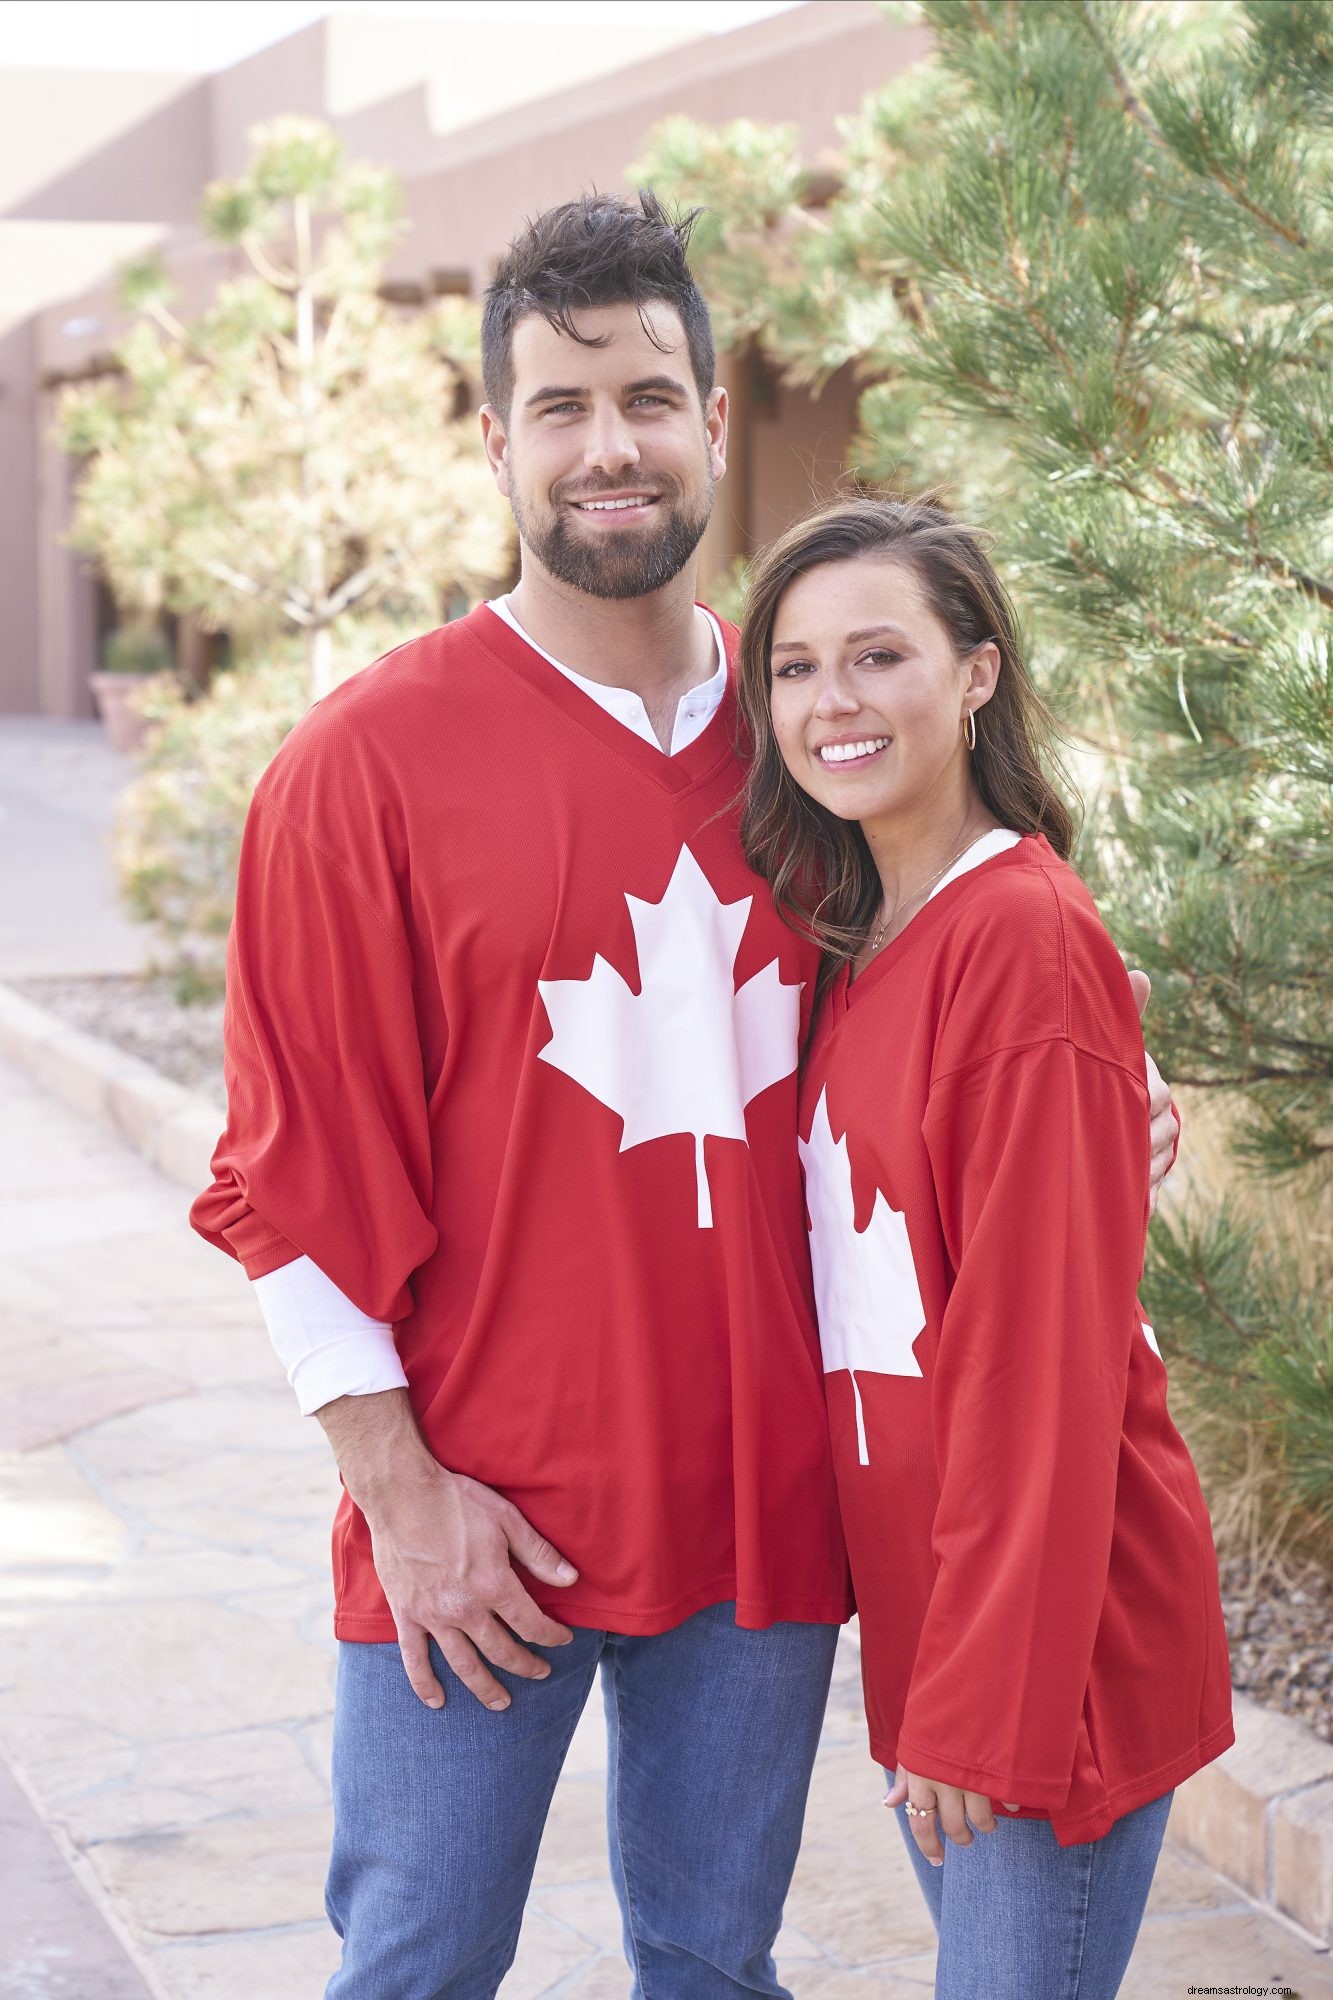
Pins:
x,y
608,458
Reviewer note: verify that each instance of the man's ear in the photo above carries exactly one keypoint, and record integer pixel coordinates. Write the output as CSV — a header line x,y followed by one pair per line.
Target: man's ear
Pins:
x,y
495,444
715,426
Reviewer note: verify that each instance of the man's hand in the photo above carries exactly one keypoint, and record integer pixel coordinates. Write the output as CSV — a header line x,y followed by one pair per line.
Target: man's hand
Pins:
x,y
442,1546
1163,1130
941,1807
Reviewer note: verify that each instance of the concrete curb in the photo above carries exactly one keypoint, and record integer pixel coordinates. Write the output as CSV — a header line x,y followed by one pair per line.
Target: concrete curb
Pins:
x,y
60,1925
1262,1815
176,1129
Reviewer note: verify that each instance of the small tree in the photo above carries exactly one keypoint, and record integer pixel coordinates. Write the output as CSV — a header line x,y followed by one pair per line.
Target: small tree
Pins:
x,y
179,823
1085,256
300,451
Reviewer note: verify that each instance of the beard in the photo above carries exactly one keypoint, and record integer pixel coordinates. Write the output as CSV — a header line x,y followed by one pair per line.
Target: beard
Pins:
x,y
634,564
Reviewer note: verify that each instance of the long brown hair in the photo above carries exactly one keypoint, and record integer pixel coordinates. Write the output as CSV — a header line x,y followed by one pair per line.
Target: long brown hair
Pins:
x,y
818,866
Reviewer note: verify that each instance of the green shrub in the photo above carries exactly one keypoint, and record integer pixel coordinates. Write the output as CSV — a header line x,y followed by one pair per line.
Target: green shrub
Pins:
x,y
178,832
137,649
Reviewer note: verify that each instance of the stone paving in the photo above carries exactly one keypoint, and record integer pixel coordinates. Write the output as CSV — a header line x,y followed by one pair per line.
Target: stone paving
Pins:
x,y
166,1662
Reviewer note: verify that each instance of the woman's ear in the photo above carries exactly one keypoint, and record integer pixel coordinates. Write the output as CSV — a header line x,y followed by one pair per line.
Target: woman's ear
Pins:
x,y
982,677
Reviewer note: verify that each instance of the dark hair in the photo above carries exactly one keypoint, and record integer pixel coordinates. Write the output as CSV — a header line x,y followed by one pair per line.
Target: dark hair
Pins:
x,y
819,867
596,251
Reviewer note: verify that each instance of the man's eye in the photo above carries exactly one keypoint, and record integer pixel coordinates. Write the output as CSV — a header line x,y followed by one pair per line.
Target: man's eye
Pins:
x,y
558,409
660,401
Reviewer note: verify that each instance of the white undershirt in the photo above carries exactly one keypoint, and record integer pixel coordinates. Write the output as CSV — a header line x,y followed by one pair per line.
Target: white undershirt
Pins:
x,y
327,1345
694,711
997,841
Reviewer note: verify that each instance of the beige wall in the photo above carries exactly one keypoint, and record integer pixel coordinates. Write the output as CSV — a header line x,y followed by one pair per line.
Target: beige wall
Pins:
x,y
805,68
798,450
394,87
81,146
20,686
66,594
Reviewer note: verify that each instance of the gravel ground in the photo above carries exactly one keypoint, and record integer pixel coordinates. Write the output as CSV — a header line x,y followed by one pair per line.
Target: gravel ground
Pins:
x,y
1281,1632
1282,1640
144,1017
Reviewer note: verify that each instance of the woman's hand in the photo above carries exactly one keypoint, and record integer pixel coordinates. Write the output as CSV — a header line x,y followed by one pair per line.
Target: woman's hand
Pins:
x,y
1164,1130
943,1806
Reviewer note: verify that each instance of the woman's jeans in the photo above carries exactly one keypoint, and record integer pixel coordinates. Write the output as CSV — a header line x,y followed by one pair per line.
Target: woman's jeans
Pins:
x,y
438,1813
1022,1918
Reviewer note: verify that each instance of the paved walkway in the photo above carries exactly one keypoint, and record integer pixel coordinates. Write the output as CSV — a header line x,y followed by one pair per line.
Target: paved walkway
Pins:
x,y
58,907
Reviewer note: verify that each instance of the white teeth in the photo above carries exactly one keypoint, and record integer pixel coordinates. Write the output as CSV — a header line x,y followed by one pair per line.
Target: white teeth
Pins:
x,y
843,753
612,506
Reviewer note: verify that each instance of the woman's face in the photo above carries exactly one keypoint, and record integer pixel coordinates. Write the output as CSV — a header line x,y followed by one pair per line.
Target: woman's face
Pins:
x,y
867,692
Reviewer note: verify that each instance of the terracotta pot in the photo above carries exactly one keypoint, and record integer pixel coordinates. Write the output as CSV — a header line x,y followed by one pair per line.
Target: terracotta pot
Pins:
x,y
116,696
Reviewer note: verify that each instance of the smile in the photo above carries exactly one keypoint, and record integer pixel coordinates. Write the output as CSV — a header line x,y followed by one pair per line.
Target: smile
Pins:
x,y
853,753
615,506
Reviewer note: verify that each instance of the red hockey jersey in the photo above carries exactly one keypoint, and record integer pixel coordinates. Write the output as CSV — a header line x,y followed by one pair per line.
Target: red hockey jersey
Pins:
x,y
1031,1554
512,1036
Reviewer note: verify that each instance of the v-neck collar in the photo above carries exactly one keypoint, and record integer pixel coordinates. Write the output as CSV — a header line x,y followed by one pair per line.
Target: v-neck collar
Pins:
x,y
693,765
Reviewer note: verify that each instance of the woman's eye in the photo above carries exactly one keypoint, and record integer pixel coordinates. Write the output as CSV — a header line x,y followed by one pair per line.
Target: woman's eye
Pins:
x,y
790,669
878,656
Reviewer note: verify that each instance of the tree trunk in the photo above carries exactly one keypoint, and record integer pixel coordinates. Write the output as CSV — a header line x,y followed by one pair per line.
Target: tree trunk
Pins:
x,y
319,660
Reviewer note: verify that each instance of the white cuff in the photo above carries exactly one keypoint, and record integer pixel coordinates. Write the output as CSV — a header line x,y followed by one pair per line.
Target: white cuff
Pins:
x,y
360,1364
327,1345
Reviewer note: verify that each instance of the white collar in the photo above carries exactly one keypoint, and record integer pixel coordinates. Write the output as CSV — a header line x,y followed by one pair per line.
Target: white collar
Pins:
x,y
695,710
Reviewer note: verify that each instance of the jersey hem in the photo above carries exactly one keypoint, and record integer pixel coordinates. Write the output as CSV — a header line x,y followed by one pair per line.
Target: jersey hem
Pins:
x,y
752,1614
275,1253
1049,1794
1097,1820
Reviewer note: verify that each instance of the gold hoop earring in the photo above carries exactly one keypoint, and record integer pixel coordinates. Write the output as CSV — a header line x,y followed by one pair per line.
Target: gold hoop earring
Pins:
x,y
970,729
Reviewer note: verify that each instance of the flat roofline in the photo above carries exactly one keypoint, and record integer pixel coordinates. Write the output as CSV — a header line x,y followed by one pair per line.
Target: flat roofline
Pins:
x,y
810,25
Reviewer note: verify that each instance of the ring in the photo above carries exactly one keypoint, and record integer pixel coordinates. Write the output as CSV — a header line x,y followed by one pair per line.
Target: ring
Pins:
x,y
918,1812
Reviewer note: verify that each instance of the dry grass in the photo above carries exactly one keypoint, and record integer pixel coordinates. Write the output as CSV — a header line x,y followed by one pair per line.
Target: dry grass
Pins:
x,y
1255,1521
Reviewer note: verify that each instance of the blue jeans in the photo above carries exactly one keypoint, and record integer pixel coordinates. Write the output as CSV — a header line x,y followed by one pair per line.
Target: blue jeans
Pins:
x,y
1022,1918
438,1813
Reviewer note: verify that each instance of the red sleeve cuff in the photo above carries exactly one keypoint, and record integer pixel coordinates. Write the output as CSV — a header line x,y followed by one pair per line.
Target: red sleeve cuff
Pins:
x,y
270,1256
1046,1794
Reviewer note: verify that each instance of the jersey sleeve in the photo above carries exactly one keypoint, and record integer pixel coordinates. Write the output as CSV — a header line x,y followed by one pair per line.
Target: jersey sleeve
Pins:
x,y
326,1151
1040,1158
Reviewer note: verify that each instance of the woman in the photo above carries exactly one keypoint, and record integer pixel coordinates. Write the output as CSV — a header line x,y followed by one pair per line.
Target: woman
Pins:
x,y
1044,1655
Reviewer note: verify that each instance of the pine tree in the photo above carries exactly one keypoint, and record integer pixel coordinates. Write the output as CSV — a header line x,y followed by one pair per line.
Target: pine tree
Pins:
x,y
300,450
1092,244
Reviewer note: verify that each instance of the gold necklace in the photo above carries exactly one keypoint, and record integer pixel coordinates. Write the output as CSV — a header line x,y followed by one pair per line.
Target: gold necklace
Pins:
x,y
878,934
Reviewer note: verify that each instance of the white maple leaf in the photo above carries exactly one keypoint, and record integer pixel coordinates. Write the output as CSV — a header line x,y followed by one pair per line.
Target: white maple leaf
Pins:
x,y
866,1290
687,1052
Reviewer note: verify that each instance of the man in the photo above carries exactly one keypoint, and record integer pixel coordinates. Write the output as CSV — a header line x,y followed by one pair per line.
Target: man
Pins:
x,y
512,1040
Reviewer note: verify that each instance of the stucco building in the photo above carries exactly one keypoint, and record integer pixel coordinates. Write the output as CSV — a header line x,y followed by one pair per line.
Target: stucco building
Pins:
x,y
484,122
